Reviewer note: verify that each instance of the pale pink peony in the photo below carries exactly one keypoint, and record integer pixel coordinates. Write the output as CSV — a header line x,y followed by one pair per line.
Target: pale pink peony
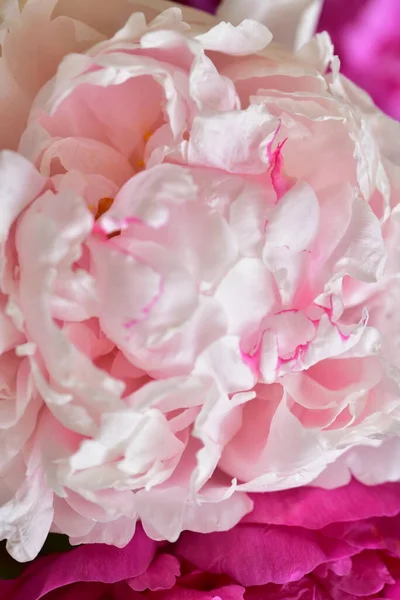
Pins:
x,y
194,235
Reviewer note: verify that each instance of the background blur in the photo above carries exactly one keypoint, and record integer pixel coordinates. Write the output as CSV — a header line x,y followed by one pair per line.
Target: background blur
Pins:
x,y
366,35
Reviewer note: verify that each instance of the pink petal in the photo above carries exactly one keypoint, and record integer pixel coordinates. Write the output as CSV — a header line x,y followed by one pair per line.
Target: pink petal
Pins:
x,y
27,517
217,140
161,575
87,156
20,183
267,554
85,564
294,222
314,508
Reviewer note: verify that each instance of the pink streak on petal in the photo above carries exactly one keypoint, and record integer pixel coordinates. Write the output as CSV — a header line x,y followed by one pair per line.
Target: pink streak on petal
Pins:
x,y
147,309
280,185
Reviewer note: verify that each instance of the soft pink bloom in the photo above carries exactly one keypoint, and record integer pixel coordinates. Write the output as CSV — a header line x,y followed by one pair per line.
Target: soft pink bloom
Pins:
x,y
302,544
194,301
366,34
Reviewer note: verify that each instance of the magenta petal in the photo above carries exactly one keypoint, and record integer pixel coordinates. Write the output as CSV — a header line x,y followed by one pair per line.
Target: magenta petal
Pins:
x,y
8,587
207,5
305,589
337,12
161,574
315,508
259,555
365,34
368,576
381,533
78,591
93,591
88,563
393,591
229,592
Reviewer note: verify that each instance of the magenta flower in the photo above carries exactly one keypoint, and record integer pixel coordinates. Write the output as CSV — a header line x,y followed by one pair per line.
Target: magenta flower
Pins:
x,y
303,544
366,35
207,5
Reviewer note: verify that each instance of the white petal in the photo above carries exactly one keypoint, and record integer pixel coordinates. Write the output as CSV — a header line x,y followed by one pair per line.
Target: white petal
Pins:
x,y
292,22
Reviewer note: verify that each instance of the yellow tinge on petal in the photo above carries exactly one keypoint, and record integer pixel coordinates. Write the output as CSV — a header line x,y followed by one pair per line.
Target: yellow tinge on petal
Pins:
x,y
103,206
147,135
140,164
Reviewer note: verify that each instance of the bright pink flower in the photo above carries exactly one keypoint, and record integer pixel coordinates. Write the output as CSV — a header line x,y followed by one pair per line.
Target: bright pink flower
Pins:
x,y
194,301
366,34
306,543
207,5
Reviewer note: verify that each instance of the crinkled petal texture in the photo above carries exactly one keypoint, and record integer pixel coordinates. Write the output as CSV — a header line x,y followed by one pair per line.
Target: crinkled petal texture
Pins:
x,y
304,543
199,273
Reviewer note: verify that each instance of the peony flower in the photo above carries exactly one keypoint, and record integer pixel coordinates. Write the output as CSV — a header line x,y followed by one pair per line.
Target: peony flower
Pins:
x,y
302,543
367,38
194,298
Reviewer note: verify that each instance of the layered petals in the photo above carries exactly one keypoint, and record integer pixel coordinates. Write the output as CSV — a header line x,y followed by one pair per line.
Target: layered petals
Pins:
x,y
199,277
304,543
